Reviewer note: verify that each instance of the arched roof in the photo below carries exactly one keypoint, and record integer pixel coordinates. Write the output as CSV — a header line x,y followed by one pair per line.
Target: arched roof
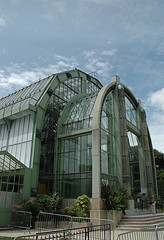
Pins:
x,y
29,97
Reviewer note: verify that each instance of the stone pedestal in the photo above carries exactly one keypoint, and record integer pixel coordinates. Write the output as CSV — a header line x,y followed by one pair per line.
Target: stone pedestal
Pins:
x,y
131,208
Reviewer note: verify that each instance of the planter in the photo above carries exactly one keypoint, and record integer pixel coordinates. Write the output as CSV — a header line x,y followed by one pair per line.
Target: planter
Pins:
x,y
115,215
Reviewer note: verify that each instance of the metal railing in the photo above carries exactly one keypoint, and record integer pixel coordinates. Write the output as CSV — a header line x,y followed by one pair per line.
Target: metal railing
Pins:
x,y
155,232
47,221
21,219
51,221
100,232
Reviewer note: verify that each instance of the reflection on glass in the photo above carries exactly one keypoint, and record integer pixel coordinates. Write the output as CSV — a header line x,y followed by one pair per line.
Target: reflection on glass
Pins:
x,y
130,111
80,115
108,153
134,162
75,166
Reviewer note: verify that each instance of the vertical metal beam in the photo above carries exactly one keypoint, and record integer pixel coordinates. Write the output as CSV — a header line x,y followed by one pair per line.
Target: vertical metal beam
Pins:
x,y
124,140
147,155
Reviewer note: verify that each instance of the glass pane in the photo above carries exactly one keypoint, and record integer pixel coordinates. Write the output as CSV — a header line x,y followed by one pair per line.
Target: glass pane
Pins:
x,y
130,111
77,165
80,115
108,150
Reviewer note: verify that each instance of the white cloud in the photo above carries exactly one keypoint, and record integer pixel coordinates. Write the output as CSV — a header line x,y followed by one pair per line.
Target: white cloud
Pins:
x,y
156,130
99,61
109,52
17,76
156,118
156,99
89,53
54,9
2,22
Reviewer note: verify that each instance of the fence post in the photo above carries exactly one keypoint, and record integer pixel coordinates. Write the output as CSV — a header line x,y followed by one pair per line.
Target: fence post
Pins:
x,y
71,223
156,232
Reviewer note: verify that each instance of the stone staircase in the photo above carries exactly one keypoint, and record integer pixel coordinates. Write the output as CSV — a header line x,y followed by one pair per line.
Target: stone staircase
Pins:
x,y
140,219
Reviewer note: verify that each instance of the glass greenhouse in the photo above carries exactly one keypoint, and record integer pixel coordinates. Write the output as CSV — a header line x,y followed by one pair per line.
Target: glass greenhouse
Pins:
x,y
69,133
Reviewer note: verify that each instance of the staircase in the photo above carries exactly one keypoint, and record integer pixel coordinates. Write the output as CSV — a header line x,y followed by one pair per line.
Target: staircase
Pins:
x,y
139,220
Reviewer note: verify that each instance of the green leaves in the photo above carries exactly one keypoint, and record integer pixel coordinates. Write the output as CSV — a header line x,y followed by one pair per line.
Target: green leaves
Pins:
x,y
80,208
115,200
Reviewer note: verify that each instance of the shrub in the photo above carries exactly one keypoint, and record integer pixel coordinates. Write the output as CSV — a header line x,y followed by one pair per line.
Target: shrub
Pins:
x,y
83,203
47,203
51,203
80,208
115,200
33,207
44,200
55,203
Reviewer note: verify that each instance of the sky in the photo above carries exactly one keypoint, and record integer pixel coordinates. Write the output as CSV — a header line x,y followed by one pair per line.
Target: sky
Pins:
x,y
103,37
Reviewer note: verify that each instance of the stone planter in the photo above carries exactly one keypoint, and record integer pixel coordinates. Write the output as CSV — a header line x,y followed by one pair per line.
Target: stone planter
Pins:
x,y
115,216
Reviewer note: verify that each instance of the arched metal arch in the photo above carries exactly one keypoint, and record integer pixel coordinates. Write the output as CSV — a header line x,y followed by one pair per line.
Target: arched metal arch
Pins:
x,y
96,165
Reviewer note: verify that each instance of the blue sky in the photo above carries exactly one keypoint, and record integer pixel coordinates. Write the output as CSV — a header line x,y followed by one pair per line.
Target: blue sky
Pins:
x,y
109,37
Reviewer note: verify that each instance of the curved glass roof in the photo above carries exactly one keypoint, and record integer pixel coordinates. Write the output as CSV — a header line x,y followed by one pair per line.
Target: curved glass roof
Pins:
x,y
71,87
66,90
28,95
67,85
80,115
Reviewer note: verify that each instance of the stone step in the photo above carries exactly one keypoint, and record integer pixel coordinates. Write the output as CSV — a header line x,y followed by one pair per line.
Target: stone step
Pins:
x,y
140,221
144,216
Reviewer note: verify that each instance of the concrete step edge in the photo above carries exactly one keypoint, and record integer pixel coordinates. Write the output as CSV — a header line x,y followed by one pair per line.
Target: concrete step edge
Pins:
x,y
146,215
142,220
136,224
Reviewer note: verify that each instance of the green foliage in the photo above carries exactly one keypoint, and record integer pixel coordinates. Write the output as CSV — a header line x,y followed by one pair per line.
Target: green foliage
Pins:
x,y
47,203
159,159
44,200
83,203
160,183
115,200
159,203
55,203
33,207
80,208
51,203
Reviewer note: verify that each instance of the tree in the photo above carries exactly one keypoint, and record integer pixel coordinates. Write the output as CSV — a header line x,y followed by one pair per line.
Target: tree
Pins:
x,y
159,159
159,162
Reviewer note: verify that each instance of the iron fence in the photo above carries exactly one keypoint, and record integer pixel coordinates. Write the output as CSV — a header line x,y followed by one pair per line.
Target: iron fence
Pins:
x,y
99,232
47,221
155,232
21,219
50,221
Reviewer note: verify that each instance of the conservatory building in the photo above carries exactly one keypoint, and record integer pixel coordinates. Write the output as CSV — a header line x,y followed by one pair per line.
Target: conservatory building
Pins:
x,y
69,133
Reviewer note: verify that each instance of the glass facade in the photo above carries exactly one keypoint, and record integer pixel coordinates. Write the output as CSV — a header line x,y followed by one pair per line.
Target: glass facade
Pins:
x,y
11,182
92,87
130,112
66,90
108,150
74,155
48,152
80,115
134,162
75,166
